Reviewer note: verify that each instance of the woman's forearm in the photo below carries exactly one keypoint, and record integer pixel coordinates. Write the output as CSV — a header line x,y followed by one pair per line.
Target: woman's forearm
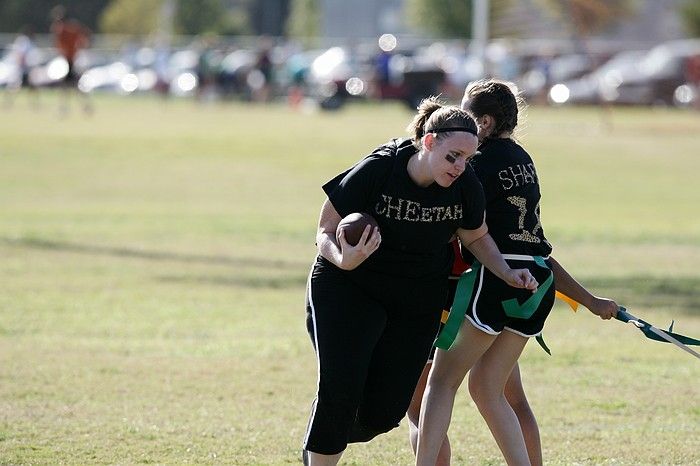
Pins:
x,y
568,285
326,241
328,248
486,251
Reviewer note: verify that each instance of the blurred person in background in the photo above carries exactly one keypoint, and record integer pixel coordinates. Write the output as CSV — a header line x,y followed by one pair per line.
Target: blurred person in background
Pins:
x,y
260,78
208,67
160,66
22,51
297,69
382,73
70,37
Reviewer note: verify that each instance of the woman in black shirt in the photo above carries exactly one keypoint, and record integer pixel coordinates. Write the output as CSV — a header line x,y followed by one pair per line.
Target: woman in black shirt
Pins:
x,y
512,196
373,309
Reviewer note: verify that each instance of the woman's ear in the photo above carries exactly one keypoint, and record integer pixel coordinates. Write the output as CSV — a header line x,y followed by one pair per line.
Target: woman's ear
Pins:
x,y
487,122
429,141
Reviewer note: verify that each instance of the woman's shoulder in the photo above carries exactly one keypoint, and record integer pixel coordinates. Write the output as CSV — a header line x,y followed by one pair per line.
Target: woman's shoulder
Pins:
x,y
502,151
385,155
502,144
393,148
377,163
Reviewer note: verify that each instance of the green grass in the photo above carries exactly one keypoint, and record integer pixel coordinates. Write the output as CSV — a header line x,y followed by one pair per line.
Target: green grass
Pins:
x,y
154,256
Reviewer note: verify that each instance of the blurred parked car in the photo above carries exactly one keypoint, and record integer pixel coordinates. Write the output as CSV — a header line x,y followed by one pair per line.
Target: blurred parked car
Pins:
x,y
335,76
182,72
687,95
50,72
545,72
338,75
45,68
130,72
9,71
590,88
144,69
234,70
662,70
108,77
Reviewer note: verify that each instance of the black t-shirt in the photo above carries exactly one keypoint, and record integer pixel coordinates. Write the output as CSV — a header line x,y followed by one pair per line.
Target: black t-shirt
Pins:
x,y
512,192
416,223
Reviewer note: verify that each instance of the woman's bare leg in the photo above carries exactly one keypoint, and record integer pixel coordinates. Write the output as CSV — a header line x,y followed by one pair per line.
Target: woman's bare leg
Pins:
x,y
413,415
515,395
448,372
487,389
317,459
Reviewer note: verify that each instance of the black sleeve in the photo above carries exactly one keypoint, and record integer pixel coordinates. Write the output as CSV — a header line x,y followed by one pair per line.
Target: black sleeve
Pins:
x,y
472,200
354,189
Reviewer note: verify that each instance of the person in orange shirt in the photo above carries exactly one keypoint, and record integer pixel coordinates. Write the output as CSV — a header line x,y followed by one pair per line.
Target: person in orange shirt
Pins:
x,y
70,37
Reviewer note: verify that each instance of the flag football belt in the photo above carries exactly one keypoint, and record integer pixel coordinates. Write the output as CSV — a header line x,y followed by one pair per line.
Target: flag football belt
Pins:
x,y
511,307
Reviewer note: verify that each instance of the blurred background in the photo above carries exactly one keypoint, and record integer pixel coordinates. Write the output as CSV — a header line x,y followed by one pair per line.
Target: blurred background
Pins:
x,y
329,52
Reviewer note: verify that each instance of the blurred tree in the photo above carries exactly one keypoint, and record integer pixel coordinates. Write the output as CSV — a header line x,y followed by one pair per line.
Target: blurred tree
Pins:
x,y
444,18
268,17
134,17
590,16
199,17
448,18
237,20
303,22
139,17
15,14
690,14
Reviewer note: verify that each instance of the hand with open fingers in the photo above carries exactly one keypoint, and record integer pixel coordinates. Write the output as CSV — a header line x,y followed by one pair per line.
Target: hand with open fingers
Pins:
x,y
603,307
521,278
352,256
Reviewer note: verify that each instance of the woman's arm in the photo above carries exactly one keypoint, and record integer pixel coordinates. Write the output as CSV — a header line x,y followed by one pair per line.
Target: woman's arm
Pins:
x,y
565,283
480,243
338,251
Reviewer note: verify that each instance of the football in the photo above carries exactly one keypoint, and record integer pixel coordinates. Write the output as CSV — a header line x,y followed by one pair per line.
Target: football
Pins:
x,y
353,225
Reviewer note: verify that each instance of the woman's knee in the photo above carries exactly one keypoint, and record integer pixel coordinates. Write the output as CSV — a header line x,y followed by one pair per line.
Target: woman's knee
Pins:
x,y
480,389
474,388
444,379
521,407
413,411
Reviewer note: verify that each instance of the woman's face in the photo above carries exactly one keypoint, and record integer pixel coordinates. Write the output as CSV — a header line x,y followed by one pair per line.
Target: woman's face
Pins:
x,y
449,156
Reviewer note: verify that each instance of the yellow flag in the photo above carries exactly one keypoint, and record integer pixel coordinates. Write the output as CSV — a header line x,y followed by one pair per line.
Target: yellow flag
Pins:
x,y
567,300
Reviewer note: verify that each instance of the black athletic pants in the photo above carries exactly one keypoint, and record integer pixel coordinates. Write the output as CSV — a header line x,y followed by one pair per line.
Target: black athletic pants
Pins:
x,y
371,352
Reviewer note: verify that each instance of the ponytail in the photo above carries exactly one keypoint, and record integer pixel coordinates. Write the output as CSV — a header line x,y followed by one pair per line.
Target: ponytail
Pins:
x,y
426,108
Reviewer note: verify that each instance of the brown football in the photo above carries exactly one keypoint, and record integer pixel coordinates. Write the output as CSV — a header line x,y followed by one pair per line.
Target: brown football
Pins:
x,y
353,225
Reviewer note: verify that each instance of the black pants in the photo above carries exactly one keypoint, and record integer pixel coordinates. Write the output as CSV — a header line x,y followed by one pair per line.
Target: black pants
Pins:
x,y
371,351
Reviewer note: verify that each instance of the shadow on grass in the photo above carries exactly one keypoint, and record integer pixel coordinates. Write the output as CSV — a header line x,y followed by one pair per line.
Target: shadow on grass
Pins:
x,y
255,282
677,294
126,252
680,295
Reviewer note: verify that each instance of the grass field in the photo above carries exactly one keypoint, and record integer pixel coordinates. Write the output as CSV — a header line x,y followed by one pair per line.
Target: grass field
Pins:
x,y
153,259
